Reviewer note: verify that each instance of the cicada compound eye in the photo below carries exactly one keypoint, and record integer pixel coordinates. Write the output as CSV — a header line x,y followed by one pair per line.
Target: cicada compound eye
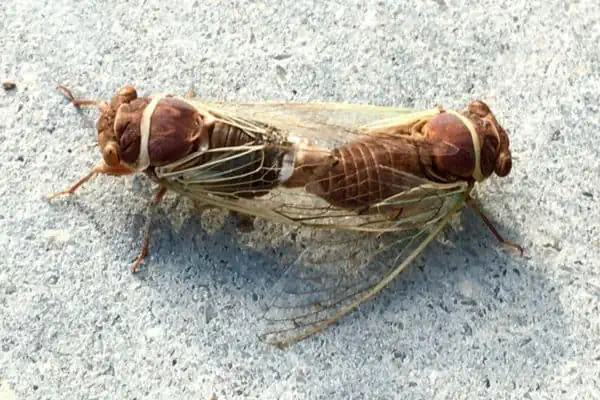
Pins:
x,y
125,95
479,108
503,164
110,154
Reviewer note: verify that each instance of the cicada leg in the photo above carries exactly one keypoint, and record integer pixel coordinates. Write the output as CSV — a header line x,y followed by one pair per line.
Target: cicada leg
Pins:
x,y
148,230
78,101
100,168
491,227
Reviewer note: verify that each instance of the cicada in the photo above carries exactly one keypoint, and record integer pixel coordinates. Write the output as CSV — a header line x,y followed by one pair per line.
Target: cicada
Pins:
x,y
348,194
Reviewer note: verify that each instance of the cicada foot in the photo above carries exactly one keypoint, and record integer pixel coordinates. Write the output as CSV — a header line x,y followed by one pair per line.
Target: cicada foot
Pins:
x,y
512,245
100,168
71,189
140,257
77,102
148,231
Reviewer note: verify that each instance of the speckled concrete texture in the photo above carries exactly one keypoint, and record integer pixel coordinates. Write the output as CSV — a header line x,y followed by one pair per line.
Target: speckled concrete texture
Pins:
x,y
468,321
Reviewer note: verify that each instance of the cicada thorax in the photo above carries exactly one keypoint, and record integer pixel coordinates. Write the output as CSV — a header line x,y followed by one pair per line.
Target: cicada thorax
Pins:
x,y
481,143
444,148
147,132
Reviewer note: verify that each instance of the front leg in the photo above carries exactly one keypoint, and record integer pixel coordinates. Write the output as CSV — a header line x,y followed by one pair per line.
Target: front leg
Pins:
x,y
148,230
100,168
505,243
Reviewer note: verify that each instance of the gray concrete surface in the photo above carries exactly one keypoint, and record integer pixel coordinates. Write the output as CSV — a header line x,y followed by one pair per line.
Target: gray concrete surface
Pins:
x,y
472,321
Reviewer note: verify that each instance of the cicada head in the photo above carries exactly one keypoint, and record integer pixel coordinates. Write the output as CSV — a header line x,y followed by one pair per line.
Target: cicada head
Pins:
x,y
482,145
173,128
107,138
495,152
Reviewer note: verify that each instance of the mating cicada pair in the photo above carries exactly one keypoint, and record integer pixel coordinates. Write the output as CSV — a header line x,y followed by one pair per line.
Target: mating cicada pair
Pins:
x,y
356,191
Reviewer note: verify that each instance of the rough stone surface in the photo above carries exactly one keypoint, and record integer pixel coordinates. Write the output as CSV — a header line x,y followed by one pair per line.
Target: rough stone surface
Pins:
x,y
467,321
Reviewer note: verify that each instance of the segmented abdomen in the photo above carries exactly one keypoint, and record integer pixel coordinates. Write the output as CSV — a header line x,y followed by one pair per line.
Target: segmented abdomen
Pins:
x,y
242,171
367,171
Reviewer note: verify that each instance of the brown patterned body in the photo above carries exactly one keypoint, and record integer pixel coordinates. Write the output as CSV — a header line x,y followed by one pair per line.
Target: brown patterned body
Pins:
x,y
248,172
369,170
177,129
447,148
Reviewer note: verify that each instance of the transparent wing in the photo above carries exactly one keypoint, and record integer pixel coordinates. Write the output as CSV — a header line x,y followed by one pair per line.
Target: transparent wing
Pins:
x,y
225,170
325,282
325,124
416,201
336,258
332,267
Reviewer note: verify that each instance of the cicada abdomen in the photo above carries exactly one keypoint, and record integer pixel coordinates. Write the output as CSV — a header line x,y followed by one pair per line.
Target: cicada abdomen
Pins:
x,y
368,170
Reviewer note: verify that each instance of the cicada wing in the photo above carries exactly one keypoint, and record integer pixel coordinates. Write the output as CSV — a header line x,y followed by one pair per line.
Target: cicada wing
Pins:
x,y
401,120
338,114
224,170
338,257
332,270
325,124
325,282
415,201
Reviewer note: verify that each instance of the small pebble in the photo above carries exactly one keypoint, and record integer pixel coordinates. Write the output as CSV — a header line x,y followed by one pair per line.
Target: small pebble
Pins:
x,y
10,288
9,85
